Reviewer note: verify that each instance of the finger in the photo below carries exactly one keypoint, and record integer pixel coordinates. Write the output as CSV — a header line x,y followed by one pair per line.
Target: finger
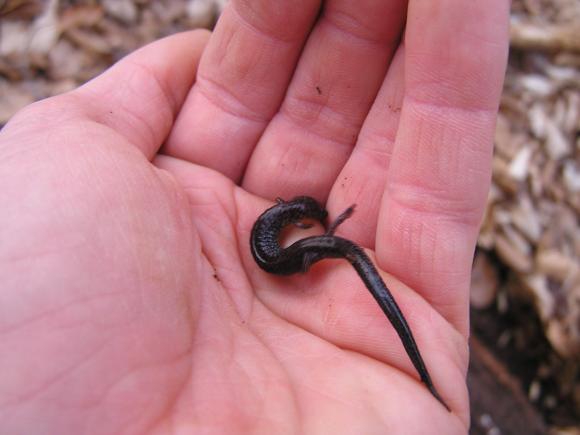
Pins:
x,y
336,81
439,173
140,95
362,180
242,78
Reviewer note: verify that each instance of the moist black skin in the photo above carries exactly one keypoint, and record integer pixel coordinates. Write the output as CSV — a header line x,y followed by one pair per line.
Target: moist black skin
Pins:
x,y
298,257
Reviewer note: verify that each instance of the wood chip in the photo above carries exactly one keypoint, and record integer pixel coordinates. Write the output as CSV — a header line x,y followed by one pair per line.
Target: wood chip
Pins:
x,y
81,16
537,286
557,146
538,84
528,36
519,166
502,177
556,265
484,282
21,10
511,255
89,41
561,341
201,13
14,38
124,10
13,99
525,218
571,176
45,30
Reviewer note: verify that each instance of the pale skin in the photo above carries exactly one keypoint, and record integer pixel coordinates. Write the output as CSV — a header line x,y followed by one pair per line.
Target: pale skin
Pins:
x,y
129,301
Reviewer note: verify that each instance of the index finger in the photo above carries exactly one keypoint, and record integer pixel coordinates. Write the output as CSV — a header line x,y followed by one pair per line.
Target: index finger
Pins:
x,y
242,78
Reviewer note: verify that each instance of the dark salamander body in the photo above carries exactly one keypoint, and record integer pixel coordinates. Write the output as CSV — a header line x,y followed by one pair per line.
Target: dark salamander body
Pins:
x,y
299,256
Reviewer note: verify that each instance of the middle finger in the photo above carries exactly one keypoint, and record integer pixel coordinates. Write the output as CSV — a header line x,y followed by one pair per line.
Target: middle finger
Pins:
x,y
335,83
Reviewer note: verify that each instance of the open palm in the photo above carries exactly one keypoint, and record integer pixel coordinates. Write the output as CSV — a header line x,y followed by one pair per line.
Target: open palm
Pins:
x,y
129,301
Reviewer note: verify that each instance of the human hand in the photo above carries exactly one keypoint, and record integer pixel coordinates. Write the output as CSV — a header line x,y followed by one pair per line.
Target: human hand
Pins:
x,y
129,301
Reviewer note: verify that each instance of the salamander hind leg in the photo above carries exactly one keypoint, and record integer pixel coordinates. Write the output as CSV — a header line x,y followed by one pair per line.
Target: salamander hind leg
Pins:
x,y
339,220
